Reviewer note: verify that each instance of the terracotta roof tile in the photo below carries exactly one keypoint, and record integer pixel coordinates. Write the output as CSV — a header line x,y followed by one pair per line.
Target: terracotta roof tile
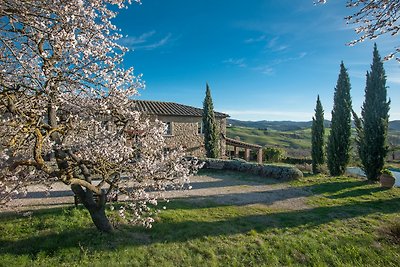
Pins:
x,y
169,108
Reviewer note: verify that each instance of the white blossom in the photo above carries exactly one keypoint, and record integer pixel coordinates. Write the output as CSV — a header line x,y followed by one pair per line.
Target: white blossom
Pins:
x,y
372,19
66,108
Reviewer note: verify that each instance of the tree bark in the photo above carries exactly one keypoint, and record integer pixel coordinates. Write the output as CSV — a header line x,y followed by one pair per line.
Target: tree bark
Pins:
x,y
96,208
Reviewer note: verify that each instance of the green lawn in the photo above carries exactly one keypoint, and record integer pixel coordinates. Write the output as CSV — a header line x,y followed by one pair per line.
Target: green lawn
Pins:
x,y
346,224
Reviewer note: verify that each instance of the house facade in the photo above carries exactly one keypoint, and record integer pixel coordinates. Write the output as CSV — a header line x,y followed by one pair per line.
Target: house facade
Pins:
x,y
184,126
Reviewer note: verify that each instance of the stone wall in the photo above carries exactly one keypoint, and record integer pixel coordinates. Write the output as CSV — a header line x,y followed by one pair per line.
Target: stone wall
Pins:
x,y
185,134
222,130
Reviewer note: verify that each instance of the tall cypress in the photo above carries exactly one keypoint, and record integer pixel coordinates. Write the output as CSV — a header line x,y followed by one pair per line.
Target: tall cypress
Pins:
x,y
317,137
372,128
338,151
210,129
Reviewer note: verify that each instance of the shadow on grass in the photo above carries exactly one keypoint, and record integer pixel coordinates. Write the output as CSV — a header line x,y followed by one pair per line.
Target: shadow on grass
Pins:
x,y
222,180
237,178
169,230
266,197
10,215
219,178
333,187
274,195
358,192
44,194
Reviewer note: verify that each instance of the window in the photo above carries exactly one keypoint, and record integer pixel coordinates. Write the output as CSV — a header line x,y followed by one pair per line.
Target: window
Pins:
x,y
168,128
200,128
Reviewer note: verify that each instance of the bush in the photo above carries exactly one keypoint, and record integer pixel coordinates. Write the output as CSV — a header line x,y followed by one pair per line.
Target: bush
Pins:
x,y
273,154
214,164
264,170
386,171
294,161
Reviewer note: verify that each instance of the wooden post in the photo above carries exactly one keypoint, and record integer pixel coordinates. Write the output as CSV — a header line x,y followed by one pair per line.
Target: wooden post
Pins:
x,y
247,154
236,151
259,156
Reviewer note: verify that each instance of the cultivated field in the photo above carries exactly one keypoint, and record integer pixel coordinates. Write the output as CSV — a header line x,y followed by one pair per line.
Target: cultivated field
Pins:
x,y
297,143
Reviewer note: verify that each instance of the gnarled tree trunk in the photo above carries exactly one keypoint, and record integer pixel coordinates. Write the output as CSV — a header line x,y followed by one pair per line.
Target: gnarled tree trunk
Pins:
x,y
95,208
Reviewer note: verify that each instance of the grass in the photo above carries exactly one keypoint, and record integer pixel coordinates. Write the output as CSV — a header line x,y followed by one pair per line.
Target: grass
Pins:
x,y
297,143
346,223
300,139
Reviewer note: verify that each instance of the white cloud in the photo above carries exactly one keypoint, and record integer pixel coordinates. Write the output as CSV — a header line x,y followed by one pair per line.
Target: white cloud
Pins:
x,y
275,46
394,116
146,41
133,40
393,79
255,40
393,71
265,69
156,44
269,69
272,44
240,62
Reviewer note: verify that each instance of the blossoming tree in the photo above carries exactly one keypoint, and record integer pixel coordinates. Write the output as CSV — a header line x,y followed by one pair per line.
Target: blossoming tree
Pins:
x,y
66,113
374,18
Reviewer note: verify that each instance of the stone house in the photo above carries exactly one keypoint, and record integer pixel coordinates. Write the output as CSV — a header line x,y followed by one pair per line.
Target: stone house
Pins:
x,y
183,125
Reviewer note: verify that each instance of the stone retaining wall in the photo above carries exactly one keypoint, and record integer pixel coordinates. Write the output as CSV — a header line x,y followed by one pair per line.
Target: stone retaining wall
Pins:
x,y
265,170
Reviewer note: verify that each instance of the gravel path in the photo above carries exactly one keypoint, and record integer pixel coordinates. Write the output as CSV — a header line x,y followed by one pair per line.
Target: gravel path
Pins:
x,y
220,188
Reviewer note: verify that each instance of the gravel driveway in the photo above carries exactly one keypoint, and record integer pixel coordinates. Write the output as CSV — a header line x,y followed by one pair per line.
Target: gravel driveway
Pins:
x,y
221,188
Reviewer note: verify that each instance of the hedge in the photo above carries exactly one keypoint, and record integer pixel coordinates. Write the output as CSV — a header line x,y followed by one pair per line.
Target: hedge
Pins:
x,y
264,170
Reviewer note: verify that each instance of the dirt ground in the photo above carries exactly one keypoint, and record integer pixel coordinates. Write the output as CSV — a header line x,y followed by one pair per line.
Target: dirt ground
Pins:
x,y
221,188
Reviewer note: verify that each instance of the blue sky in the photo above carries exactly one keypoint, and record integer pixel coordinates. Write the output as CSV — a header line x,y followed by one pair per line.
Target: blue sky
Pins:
x,y
263,59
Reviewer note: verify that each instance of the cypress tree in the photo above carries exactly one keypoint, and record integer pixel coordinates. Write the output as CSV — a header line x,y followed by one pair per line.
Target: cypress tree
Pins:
x,y
210,129
338,151
317,137
373,126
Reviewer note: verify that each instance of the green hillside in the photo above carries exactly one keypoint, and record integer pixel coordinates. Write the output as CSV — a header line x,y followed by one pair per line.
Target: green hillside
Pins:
x,y
299,139
296,143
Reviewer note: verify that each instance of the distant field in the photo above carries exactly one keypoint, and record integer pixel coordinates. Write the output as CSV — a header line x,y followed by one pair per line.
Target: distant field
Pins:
x,y
296,143
299,139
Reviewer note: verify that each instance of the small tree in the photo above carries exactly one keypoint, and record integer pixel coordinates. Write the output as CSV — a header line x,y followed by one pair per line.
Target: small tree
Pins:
x,y
372,127
338,151
317,137
211,134
66,113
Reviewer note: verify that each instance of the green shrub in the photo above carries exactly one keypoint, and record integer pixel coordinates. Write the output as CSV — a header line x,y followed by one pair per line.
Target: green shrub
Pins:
x,y
274,154
264,170
386,171
290,160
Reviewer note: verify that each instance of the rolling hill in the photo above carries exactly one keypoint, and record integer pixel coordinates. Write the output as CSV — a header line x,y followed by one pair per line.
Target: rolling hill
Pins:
x,y
293,137
274,125
291,125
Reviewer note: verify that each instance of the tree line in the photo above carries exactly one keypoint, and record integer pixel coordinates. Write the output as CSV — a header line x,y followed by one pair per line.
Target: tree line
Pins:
x,y
371,126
